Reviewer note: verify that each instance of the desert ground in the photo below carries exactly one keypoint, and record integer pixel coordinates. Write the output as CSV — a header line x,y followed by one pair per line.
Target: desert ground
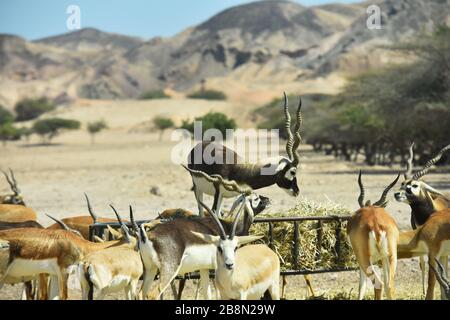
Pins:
x,y
127,161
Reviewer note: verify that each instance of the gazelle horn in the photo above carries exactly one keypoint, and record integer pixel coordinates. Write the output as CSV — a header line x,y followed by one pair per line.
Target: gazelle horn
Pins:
x,y
91,212
122,225
230,185
409,163
362,191
222,232
382,202
431,163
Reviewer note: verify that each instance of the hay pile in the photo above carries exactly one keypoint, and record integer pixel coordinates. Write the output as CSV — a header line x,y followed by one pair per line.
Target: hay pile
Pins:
x,y
309,257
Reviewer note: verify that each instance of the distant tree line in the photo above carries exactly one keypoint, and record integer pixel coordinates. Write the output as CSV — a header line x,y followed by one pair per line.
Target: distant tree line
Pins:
x,y
380,113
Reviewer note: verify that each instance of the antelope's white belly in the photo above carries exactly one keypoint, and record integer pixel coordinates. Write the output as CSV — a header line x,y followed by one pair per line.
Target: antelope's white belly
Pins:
x,y
207,187
27,268
198,257
254,292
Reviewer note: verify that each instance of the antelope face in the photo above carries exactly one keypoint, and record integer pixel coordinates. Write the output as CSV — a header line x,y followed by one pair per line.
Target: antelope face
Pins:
x,y
414,190
16,199
287,180
258,203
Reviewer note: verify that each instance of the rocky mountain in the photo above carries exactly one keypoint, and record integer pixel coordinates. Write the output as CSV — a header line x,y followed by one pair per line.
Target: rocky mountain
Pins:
x,y
256,46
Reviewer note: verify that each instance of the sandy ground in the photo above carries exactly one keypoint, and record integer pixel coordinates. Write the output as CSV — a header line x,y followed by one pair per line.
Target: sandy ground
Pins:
x,y
124,164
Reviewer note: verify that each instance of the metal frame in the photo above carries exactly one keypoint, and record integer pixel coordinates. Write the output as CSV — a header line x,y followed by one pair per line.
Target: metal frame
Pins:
x,y
99,228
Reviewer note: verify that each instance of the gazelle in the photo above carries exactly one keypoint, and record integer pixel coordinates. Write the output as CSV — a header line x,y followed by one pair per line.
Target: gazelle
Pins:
x,y
442,278
432,239
43,251
113,269
171,248
244,273
229,165
373,236
423,199
16,197
82,223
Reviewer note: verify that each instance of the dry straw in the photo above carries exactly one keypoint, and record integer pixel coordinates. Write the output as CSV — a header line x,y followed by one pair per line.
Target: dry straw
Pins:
x,y
309,257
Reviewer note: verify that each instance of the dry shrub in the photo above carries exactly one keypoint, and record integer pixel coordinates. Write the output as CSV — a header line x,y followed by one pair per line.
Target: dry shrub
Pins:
x,y
311,256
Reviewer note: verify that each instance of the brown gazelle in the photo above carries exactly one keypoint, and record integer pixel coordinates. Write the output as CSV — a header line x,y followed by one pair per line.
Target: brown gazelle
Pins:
x,y
215,159
432,239
82,223
373,236
242,273
43,251
113,269
423,199
16,197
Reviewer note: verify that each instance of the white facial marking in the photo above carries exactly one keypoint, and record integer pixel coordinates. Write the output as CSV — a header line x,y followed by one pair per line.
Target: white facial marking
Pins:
x,y
290,174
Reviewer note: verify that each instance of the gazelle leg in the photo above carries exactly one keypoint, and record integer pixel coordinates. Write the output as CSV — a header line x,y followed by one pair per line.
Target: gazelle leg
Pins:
x,y
54,288
149,277
199,197
274,289
422,272
133,290
362,284
308,283
283,286
444,262
431,278
386,277
204,282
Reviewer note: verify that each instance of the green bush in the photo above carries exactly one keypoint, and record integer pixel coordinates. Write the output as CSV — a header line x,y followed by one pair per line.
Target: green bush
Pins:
x,y
5,116
49,128
208,95
211,120
154,94
29,109
162,124
8,132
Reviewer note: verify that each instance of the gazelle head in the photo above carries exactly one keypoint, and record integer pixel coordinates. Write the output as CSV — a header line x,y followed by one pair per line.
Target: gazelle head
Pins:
x,y
380,203
16,197
226,244
441,277
413,189
287,168
253,203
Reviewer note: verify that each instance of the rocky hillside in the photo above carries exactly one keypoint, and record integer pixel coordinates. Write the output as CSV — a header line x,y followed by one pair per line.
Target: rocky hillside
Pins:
x,y
256,46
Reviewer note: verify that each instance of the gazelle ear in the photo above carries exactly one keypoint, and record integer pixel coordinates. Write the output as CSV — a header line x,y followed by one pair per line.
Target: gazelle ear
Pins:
x,y
433,190
207,237
115,234
247,239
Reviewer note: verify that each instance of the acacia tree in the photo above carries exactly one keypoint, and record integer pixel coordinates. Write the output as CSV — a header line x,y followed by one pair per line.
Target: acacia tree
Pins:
x,y
50,128
162,124
95,127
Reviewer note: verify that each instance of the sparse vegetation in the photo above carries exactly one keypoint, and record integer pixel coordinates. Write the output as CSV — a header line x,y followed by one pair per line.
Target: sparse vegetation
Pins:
x,y
381,112
95,127
211,120
208,95
162,123
5,115
49,128
29,109
154,94
8,132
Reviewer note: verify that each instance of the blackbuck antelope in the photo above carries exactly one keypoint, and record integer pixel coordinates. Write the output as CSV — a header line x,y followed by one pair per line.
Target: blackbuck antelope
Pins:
x,y
423,199
113,269
171,248
244,273
373,236
42,251
82,223
215,160
431,239
442,278
16,197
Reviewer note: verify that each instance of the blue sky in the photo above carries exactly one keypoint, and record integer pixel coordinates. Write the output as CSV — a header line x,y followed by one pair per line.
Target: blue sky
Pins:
x,y
144,18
